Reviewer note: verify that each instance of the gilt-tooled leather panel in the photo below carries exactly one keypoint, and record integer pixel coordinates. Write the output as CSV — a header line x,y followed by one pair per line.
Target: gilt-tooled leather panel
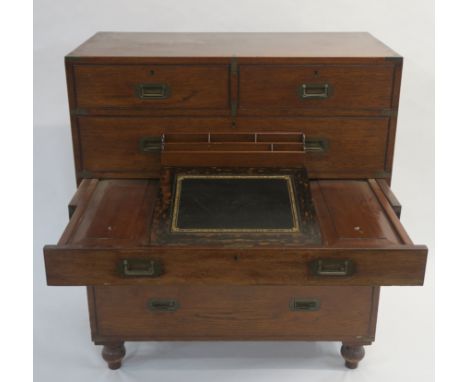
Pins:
x,y
234,203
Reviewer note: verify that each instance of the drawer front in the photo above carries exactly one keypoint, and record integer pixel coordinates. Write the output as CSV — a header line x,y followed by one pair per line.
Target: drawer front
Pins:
x,y
235,313
338,146
113,144
310,87
152,86
325,266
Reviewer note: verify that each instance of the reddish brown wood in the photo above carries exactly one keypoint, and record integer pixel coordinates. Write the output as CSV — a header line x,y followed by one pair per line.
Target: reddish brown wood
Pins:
x,y
209,82
356,225
79,204
83,192
152,175
352,87
124,46
113,144
391,197
91,296
233,158
73,121
78,265
246,113
353,354
119,213
190,86
113,353
389,211
239,83
233,313
394,115
358,218
356,146
375,311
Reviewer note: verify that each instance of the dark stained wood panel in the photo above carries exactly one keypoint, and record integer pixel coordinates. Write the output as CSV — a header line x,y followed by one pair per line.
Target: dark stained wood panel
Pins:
x,y
268,45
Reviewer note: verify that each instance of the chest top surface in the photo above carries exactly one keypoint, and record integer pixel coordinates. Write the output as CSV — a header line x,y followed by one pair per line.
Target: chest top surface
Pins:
x,y
306,45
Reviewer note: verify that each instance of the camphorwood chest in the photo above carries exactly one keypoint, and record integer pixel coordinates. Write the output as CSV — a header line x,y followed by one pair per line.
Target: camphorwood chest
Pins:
x,y
234,187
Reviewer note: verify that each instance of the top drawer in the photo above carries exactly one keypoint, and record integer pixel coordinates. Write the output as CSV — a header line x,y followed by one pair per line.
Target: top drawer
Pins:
x,y
308,87
152,86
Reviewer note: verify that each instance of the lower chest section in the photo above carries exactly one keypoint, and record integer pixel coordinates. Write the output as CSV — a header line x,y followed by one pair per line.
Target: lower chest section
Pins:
x,y
233,313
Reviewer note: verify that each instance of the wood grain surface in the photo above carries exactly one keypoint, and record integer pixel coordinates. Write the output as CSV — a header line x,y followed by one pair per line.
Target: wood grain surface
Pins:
x,y
244,84
263,45
227,313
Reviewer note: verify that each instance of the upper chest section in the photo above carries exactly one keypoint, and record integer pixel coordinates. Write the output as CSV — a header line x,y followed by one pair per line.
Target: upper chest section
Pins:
x,y
242,73
340,90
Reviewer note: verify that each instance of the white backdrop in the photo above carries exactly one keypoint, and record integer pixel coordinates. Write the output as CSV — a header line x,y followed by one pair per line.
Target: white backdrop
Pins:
x,y
403,349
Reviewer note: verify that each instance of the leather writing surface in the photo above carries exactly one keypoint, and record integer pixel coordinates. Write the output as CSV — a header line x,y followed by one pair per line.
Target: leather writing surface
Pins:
x,y
235,203
216,206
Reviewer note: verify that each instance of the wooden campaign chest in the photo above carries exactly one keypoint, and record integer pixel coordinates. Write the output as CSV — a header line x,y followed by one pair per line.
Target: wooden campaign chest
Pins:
x,y
234,186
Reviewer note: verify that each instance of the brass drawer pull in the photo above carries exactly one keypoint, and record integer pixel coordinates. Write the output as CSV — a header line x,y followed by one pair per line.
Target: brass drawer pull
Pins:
x,y
153,91
315,145
140,268
151,144
332,267
163,305
314,91
304,305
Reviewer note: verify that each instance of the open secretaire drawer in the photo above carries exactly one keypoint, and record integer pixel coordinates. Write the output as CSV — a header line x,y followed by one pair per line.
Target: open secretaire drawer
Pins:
x,y
234,227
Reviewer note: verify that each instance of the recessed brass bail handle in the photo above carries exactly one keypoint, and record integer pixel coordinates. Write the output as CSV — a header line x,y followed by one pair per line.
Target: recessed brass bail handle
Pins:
x,y
151,144
314,91
332,267
159,305
304,305
140,268
315,145
153,91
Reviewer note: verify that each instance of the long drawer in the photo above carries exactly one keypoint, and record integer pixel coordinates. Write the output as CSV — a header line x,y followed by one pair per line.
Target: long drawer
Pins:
x,y
308,87
353,146
152,86
234,313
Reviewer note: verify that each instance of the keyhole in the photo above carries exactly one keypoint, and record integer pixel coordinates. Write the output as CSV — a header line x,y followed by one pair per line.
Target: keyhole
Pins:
x,y
316,73
151,72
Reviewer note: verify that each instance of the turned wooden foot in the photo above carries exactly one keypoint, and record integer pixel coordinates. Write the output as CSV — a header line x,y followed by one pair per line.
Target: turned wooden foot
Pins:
x,y
113,354
352,353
